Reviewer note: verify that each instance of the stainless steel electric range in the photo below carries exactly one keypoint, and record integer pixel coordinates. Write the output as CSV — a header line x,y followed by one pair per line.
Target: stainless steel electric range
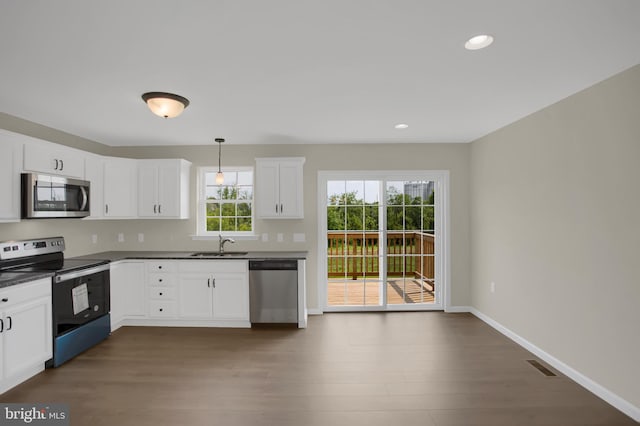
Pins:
x,y
79,288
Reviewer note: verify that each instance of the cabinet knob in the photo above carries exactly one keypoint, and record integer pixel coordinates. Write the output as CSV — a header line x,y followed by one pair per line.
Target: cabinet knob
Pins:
x,y
160,267
160,309
160,294
160,280
5,299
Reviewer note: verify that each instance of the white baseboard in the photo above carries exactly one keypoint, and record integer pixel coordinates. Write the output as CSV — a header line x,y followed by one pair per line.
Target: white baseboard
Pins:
x,y
620,403
457,309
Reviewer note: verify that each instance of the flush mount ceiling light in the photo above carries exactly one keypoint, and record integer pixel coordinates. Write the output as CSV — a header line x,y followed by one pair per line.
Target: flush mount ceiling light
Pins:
x,y
478,42
401,126
165,105
219,175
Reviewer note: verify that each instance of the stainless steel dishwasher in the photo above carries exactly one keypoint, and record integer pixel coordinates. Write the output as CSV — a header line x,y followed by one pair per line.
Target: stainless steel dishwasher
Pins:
x,y
273,291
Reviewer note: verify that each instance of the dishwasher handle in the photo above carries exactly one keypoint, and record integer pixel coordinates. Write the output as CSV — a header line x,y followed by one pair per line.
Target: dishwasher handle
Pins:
x,y
273,265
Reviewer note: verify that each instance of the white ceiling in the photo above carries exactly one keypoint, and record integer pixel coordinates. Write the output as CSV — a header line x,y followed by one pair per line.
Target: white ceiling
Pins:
x,y
303,71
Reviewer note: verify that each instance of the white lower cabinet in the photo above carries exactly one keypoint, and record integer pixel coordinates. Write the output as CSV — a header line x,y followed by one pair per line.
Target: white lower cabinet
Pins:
x,y
127,282
25,331
204,293
161,288
217,289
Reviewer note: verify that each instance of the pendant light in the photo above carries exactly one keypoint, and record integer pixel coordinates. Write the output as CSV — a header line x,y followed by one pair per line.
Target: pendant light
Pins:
x,y
219,175
165,105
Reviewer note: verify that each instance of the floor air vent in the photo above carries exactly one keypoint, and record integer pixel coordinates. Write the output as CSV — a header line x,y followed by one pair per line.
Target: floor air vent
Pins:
x,y
544,370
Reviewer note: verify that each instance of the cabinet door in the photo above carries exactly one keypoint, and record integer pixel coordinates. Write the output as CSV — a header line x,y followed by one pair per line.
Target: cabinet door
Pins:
x,y
27,335
134,289
94,173
194,296
290,182
53,159
120,187
10,162
231,297
147,189
267,188
127,292
169,190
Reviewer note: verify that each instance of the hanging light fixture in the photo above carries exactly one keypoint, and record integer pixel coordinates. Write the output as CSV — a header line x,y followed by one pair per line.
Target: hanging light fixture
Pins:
x,y
165,105
219,175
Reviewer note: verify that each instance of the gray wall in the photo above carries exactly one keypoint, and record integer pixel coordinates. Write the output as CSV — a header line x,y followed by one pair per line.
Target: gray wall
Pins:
x,y
555,211
176,234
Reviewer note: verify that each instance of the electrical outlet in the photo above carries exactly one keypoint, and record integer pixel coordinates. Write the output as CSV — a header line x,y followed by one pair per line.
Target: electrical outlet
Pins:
x,y
140,237
265,237
121,237
492,287
299,237
94,239
280,237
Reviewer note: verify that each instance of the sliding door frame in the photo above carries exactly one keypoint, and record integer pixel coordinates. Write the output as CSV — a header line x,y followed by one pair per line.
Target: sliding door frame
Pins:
x,y
442,235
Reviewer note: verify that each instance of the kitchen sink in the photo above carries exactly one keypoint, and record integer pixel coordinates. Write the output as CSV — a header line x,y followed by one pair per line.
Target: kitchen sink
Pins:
x,y
218,254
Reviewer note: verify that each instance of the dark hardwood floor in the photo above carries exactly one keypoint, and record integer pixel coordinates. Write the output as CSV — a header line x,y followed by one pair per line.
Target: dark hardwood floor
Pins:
x,y
402,369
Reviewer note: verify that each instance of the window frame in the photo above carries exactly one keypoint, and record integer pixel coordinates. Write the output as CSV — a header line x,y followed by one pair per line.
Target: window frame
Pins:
x,y
201,195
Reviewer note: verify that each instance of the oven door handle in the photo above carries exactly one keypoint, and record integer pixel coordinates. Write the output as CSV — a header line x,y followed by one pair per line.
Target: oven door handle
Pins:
x,y
85,198
81,273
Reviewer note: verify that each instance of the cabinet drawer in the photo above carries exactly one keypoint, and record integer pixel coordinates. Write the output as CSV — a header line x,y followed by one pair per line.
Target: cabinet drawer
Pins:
x,y
215,266
23,292
162,293
161,266
167,280
162,309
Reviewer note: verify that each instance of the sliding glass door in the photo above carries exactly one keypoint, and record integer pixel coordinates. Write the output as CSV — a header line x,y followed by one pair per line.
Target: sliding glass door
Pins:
x,y
382,240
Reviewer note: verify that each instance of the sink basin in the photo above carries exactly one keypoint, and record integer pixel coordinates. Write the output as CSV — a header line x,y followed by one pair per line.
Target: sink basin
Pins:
x,y
218,254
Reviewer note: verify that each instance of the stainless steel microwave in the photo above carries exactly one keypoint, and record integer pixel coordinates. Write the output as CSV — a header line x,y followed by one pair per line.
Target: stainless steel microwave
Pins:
x,y
45,196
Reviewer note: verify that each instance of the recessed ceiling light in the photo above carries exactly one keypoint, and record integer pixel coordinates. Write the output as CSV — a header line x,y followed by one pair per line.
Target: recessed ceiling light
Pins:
x,y
401,126
478,42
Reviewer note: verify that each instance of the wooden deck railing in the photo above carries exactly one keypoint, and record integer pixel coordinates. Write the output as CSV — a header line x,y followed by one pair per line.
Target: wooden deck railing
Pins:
x,y
357,254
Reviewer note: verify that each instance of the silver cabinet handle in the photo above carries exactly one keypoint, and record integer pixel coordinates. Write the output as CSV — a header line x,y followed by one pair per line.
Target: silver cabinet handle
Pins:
x,y
280,208
159,208
208,282
56,166
61,165
1,325
85,198
106,209
214,283
154,209
10,323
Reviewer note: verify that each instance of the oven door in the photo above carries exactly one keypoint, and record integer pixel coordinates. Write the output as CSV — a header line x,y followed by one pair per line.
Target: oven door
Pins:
x,y
45,196
79,298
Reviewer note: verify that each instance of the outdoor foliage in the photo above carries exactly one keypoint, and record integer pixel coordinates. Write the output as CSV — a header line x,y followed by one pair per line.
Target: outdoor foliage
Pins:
x,y
226,211
347,212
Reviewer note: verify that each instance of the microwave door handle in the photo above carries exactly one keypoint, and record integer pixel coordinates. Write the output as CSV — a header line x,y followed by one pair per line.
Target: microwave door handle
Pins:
x,y
85,198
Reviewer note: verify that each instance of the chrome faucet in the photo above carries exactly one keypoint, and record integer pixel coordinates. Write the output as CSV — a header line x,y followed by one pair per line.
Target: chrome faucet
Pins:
x,y
222,241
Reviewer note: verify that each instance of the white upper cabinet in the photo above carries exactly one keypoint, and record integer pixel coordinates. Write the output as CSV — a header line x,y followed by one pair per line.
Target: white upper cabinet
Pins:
x,y
120,189
10,165
279,188
94,173
163,188
51,158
